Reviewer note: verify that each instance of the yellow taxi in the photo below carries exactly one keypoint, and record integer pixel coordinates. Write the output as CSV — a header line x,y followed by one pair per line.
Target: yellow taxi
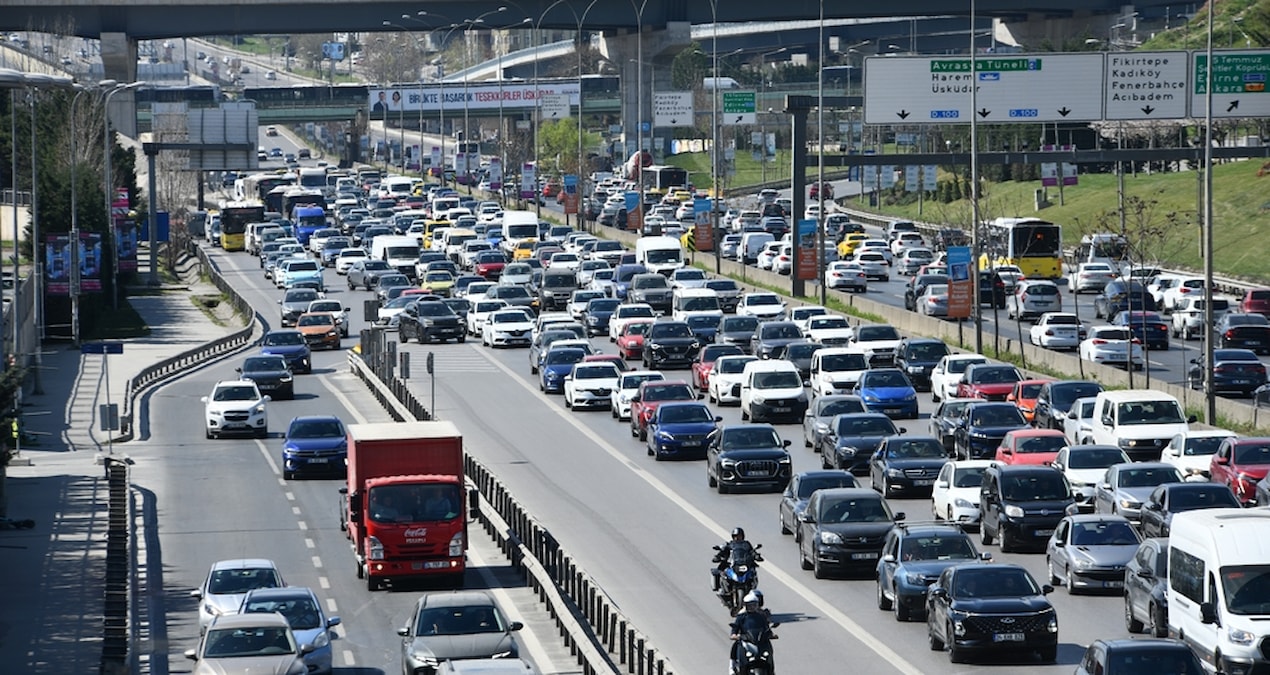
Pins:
x,y
524,249
438,282
846,247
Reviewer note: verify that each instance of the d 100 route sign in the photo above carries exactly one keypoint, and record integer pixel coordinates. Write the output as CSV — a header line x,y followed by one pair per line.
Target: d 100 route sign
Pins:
x,y
739,107
672,109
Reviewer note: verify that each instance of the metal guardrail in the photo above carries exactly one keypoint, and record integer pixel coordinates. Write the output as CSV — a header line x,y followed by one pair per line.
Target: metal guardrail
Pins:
x,y
587,619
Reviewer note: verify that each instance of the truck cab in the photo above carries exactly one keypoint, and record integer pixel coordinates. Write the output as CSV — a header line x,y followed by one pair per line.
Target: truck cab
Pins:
x,y
1139,421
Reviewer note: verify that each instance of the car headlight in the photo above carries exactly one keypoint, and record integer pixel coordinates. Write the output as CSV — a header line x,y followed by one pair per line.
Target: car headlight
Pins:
x,y
331,333
665,436
1129,504
1239,637
1082,564
820,427
1052,626
211,609
285,378
323,639
802,397
830,538
503,655
727,463
964,504
374,549
908,398
756,398
848,451
552,375
894,473
914,579
1012,511
425,659
259,409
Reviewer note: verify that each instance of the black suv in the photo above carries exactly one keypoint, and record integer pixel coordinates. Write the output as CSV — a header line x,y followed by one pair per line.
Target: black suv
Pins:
x,y
1119,296
670,344
747,455
991,608
1056,398
842,529
1022,504
917,357
556,288
913,556
983,425
991,289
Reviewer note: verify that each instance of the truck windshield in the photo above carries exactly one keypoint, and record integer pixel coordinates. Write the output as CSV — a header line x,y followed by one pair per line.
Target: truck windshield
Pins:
x,y
414,503
660,256
1151,412
835,363
1247,589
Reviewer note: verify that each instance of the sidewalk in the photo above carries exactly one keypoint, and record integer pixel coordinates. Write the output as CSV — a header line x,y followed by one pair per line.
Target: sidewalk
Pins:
x,y
51,615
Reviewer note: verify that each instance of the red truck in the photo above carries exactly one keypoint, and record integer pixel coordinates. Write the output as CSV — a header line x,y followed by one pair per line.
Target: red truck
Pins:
x,y
404,507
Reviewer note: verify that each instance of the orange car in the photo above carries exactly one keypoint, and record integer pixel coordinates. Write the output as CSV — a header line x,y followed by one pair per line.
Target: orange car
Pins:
x,y
1030,446
319,330
1024,396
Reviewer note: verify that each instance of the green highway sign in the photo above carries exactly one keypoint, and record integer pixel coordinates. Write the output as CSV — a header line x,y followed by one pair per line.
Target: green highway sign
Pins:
x,y
739,107
1239,83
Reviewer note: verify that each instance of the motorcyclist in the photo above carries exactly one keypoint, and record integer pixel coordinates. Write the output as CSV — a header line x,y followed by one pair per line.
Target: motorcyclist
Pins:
x,y
752,620
738,544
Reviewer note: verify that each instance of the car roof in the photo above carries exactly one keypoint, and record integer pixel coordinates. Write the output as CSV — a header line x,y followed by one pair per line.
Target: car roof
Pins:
x,y
244,564
848,493
1143,644
456,599
253,619
1097,518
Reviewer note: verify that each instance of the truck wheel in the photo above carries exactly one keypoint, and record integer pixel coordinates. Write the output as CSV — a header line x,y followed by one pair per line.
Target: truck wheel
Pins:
x,y
361,571
372,584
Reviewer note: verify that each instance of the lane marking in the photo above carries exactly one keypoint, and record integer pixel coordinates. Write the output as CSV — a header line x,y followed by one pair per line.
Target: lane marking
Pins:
x,y
527,638
344,400
722,533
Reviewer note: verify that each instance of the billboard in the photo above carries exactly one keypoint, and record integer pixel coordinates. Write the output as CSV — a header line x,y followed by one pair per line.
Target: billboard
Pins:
x,y
90,262
451,96
703,235
126,245
57,264
528,181
806,249
961,286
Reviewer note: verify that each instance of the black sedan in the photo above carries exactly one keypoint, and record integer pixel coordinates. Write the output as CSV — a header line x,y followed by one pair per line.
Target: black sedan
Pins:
x,y
1172,498
425,321
799,492
842,531
1247,331
996,607
597,314
747,455
1236,371
906,465
986,424
669,344
271,374
853,438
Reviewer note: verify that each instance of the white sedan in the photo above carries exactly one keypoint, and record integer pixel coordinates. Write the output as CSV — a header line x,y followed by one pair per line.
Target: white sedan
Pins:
x,y
590,385
1057,330
1090,277
762,304
507,328
829,329
955,496
846,274
481,309
348,256
1192,452
627,385
626,313
1112,345
725,378
948,372
874,264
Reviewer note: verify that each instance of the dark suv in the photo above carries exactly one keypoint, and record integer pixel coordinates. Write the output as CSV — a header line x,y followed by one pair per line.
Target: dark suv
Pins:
x,y
1119,296
670,344
556,288
1022,504
991,289
917,357
913,556
991,608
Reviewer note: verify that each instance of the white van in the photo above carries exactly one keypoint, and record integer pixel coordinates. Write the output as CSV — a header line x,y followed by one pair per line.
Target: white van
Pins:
x,y
772,389
1219,586
752,244
692,302
398,250
662,255
836,370
517,227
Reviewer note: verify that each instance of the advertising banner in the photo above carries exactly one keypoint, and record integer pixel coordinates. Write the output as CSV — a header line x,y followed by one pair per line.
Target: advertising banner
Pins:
x,y
57,264
806,249
528,181
634,212
496,174
90,262
570,194
437,169
126,245
703,227
961,286
451,96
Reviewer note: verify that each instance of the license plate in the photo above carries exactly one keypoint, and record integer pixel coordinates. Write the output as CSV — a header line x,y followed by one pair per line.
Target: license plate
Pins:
x,y
864,556
436,564
781,410
1253,342
923,482
691,444
1044,533
1240,381
1113,584
1007,637
318,460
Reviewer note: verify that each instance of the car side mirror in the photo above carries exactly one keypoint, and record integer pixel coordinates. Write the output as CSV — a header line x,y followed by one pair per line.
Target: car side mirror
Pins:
x,y
938,593
191,654
1153,506
985,556
1047,589
943,485
204,399
1104,486
515,626
1060,544
888,558
1146,573
786,444
238,370
404,631
1208,613
1191,419
196,593
717,418
635,398
899,516
807,517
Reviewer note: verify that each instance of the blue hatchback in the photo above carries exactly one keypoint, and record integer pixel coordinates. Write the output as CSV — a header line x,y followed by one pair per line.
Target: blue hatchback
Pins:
x,y
314,444
680,430
290,345
555,366
888,391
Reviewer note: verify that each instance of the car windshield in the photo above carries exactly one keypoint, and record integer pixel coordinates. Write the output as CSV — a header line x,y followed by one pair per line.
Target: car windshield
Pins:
x,y
732,366
721,285
994,375
762,300
1247,589
1151,412
927,351
1062,395
1191,497
431,308
968,477
937,548
782,379
703,304
399,302
843,362
637,328
742,439
300,611
302,266
1172,660
801,350
960,365
1034,487
565,356
867,426
855,510
1203,445
674,392
316,320
300,296
685,414
509,292
916,448
1094,458
873,333
812,483
1252,453
884,378
245,642
633,381
1104,533
326,306
787,331
740,324
413,503
283,339
256,364
637,311
1041,444
1147,477
509,317
467,620
703,321
595,372
997,416
241,580
999,582
828,322
669,330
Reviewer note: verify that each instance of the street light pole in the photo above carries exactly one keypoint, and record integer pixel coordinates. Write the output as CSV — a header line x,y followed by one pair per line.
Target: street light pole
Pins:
x,y
110,221
538,105
581,160
820,172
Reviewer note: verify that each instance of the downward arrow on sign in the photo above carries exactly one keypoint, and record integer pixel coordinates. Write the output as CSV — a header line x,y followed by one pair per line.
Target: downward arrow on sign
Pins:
x,y
903,114
1064,111
1147,110
984,112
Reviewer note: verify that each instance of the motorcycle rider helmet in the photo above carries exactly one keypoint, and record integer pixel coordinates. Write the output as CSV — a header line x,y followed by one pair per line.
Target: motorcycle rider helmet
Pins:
x,y
738,534
753,600
758,596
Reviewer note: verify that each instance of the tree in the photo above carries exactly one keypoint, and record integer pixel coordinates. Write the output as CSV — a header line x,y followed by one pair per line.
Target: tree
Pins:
x,y
558,146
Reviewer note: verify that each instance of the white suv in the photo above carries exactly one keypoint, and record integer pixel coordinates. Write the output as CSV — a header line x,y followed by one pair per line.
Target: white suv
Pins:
x,y
236,406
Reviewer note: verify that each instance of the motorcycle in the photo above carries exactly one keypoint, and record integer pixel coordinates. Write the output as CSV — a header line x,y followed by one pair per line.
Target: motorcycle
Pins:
x,y
739,577
754,648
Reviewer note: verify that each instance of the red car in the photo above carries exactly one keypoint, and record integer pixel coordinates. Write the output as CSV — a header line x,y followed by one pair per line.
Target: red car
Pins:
x,y
630,342
1024,396
703,365
1030,446
490,266
652,394
1239,463
1256,301
988,381
814,191
614,359
551,189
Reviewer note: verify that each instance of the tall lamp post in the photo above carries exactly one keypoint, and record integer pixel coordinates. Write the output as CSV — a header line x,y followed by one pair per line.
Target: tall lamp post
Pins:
x,y
467,63
538,103
110,195
820,167
581,160
35,231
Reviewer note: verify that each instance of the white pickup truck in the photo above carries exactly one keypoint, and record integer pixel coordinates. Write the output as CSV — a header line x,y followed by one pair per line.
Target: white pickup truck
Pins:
x,y
1139,421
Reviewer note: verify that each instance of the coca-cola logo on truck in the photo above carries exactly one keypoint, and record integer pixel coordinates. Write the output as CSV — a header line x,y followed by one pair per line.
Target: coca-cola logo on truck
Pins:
x,y
419,532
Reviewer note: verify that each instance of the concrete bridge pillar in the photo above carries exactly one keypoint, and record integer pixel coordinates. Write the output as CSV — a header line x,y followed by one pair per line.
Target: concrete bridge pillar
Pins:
x,y
659,49
119,61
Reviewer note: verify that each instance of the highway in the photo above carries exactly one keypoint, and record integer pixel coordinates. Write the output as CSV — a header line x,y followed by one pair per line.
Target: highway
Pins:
x,y
644,529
